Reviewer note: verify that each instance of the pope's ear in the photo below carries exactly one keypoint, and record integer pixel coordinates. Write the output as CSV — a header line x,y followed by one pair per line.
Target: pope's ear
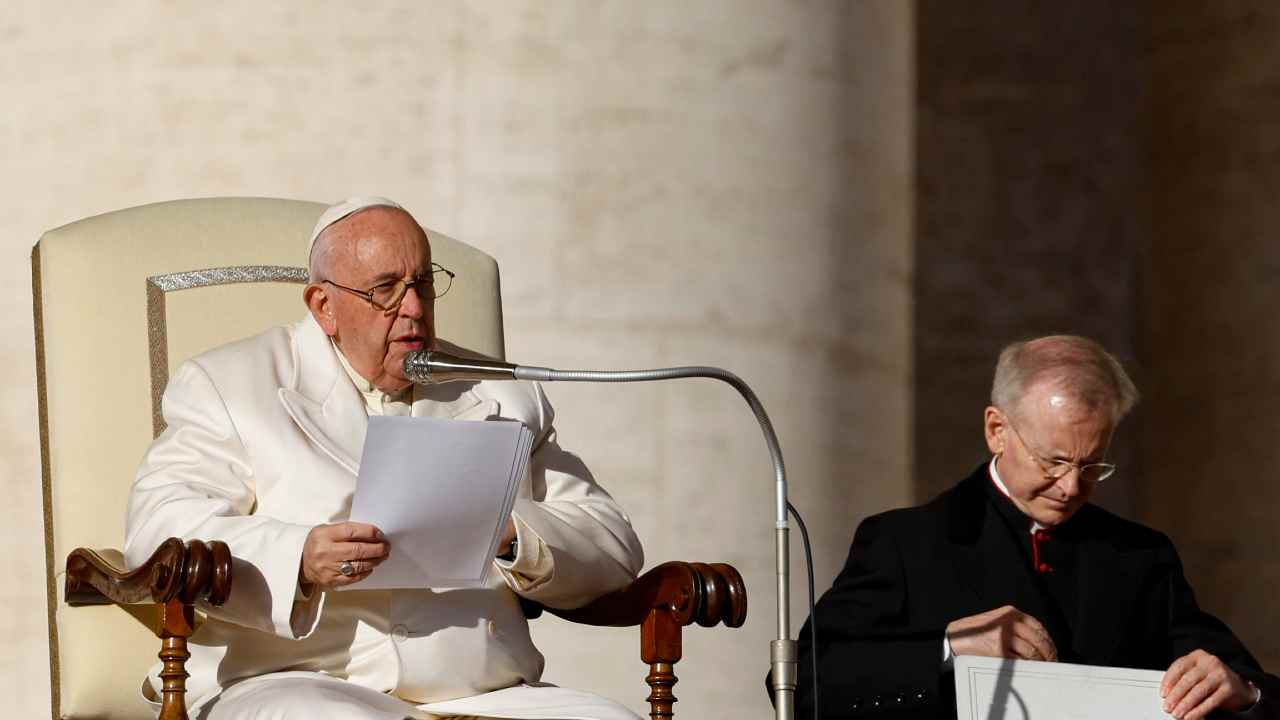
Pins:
x,y
318,302
995,428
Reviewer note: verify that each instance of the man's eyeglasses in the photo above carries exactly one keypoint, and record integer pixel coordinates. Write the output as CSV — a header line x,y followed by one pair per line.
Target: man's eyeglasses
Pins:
x,y
1056,469
387,296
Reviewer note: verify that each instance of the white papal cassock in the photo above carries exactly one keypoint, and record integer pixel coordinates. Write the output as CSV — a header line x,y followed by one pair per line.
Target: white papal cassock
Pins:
x,y
263,442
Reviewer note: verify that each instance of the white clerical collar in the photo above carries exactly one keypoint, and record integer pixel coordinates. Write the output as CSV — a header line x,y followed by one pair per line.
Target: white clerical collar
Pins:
x,y
995,478
376,401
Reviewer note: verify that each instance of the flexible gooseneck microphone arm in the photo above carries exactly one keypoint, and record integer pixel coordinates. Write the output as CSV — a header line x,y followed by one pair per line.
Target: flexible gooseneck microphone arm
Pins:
x,y
430,366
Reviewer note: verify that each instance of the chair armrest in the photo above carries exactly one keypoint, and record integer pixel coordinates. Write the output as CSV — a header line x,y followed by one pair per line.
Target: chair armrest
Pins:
x,y
174,577
661,602
187,573
689,592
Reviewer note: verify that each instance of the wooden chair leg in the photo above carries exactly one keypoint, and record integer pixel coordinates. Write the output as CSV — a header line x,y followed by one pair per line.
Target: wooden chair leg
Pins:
x,y
661,699
660,648
177,620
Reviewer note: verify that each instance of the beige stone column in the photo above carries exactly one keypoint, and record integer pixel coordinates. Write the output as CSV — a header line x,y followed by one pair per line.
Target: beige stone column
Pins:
x,y
1214,333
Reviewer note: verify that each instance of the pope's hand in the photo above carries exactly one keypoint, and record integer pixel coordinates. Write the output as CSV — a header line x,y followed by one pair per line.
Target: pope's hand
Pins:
x,y
1199,683
1005,632
328,546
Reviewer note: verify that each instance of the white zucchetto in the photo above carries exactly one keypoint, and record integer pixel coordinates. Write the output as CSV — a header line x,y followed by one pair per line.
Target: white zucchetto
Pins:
x,y
339,210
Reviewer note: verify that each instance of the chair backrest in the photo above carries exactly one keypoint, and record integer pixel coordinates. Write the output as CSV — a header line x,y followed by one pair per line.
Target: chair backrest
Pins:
x,y
122,298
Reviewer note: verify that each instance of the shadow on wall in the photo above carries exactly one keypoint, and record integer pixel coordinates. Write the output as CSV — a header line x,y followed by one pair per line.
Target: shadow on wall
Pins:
x,y
1029,177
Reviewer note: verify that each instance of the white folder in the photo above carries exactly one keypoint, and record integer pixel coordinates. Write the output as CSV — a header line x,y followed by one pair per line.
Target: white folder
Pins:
x,y
1001,689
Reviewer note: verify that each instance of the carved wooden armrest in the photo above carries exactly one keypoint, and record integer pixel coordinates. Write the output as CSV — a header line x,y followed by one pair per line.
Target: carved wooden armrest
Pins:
x,y
175,577
662,601
196,571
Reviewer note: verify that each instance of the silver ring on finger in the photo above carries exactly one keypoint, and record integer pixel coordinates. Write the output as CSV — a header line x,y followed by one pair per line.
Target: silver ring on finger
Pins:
x,y
346,568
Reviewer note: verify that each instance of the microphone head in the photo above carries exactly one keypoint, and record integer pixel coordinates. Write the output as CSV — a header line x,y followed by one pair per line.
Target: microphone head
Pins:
x,y
433,366
417,366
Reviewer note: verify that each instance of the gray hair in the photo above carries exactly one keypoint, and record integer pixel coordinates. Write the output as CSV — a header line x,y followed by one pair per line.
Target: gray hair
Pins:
x,y
1080,366
320,264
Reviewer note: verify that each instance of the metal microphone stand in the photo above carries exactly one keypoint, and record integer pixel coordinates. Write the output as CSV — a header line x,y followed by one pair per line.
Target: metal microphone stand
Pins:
x,y
432,366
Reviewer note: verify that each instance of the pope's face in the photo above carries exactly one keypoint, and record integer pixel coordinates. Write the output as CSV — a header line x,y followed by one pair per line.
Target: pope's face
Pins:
x,y
375,246
1050,426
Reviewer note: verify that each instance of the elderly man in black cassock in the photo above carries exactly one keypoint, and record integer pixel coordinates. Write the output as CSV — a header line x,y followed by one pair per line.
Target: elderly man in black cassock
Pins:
x,y
1014,562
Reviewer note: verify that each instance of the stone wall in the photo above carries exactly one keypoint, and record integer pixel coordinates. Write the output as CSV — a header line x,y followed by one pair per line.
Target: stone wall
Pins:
x,y
720,182
852,205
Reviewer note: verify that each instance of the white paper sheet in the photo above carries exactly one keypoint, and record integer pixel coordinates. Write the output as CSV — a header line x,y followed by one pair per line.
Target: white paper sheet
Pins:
x,y
441,490
999,689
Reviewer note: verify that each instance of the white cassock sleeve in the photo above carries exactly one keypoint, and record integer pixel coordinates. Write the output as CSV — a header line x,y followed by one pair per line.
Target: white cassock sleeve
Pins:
x,y
575,542
196,482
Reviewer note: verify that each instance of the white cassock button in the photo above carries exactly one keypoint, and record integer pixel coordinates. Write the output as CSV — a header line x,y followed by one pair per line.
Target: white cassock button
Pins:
x,y
493,629
399,633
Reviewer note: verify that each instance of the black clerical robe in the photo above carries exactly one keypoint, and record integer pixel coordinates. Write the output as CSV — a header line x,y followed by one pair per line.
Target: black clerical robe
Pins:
x,y
1109,591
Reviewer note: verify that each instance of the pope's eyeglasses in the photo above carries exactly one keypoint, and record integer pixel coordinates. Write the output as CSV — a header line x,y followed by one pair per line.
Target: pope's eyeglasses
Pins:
x,y
387,296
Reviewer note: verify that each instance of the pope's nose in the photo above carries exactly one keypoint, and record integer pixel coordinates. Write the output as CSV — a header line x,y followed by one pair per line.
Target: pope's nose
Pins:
x,y
411,304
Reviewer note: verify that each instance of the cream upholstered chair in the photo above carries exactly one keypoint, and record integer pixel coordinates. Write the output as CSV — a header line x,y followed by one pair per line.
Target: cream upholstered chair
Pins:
x,y
120,299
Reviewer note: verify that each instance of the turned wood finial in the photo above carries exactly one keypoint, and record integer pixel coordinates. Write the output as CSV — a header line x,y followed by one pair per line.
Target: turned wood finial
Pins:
x,y
661,678
177,622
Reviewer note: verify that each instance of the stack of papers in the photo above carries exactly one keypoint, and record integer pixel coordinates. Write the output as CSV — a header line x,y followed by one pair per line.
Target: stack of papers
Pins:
x,y
441,491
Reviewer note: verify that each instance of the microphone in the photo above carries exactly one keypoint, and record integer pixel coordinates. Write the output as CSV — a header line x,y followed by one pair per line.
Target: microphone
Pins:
x,y
429,367
433,366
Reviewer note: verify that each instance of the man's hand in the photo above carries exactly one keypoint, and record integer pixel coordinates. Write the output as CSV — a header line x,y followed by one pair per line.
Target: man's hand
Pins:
x,y
1005,632
328,546
1198,683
